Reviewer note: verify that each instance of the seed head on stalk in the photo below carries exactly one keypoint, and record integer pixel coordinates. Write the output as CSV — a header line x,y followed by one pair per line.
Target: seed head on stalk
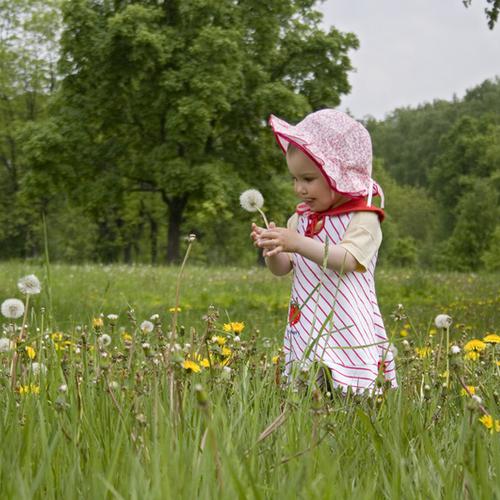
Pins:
x,y
253,201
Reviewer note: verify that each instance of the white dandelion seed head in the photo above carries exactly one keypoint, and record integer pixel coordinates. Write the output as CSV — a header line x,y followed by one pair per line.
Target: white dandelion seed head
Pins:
x,y
12,308
38,368
237,338
104,340
443,321
454,349
146,345
5,344
29,285
251,200
147,326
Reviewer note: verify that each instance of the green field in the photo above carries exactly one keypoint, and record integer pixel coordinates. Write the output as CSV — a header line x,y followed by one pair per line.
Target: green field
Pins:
x,y
133,422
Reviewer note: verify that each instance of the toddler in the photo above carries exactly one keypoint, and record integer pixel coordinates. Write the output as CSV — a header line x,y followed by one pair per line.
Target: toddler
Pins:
x,y
333,315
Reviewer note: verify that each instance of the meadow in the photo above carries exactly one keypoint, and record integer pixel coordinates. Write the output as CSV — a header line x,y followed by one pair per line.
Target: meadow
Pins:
x,y
113,407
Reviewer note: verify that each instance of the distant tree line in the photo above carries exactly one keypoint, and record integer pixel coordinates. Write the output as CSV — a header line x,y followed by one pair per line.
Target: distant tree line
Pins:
x,y
125,126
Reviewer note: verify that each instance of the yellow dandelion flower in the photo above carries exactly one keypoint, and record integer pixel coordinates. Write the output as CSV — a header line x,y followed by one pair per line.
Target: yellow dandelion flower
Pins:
x,y
472,355
126,337
423,352
432,332
475,345
403,332
492,338
226,352
97,322
487,421
29,389
497,363
191,366
30,352
57,336
471,389
220,340
275,359
175,310
205,363
234,326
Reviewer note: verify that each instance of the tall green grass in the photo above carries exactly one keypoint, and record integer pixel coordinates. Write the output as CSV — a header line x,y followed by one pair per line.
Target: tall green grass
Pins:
x,y
115,434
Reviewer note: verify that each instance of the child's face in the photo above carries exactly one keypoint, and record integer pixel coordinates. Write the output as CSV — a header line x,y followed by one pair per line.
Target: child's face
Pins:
x,y
309,184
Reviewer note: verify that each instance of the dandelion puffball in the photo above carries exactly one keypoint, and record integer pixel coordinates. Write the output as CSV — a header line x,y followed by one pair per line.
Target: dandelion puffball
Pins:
x,y
5,344
147,326
443,321
12,308
454,349
251,200
29,285
104,340
38,368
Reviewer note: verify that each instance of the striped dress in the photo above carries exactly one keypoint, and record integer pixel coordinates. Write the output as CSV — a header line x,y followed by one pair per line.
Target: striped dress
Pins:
x,y
341,313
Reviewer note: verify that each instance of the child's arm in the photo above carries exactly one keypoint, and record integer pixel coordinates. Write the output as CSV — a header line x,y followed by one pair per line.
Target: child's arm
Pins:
x,y
279,264
277,240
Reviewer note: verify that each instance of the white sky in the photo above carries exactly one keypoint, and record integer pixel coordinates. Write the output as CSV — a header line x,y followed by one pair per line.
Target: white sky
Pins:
x,y
413,51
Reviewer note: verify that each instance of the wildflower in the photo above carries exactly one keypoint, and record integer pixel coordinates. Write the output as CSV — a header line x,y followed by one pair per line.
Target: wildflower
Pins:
x,y
12,308
489,423
97,322
126,337
5,344
237,338
251,200
275,359
226,352
492,338
63,388
29,389
155,317
205,363
104,340
147,326
423,352
219,340
475,345
30,352
56,337
38,368
454,349
403,332
443,321
236,327
112,318
175,310
477,399
432,332
469,391
191,366
29,285
472,355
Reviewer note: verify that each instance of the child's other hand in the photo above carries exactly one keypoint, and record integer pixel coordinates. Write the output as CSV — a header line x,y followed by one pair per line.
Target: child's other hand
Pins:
x,y
276,240
256,232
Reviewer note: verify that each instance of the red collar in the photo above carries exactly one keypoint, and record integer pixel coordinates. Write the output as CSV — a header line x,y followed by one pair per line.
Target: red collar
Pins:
x,y
316,220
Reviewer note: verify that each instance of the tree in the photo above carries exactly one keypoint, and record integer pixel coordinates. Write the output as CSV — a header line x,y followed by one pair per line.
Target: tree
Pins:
x,y
491,13
170,100
28,53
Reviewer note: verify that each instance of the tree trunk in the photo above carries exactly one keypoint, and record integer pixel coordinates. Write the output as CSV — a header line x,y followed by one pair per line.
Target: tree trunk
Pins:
x,y
176,208
153,235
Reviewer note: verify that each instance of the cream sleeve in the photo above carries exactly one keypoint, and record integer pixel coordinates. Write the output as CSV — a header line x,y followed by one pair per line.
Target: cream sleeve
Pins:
x,y
362,238
293,222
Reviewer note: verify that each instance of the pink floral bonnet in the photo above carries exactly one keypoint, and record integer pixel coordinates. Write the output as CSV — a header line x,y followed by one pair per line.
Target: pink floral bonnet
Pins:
x,y
339,145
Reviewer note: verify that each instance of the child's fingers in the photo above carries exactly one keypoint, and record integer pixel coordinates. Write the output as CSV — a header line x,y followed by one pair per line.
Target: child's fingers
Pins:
x,y
274,251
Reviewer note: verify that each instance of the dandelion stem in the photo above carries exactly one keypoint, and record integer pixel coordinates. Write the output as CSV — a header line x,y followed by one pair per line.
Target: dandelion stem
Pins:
x,y
264,217
13,368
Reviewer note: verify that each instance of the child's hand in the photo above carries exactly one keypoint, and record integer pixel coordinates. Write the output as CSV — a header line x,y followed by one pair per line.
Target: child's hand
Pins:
x,y
256,235
277,239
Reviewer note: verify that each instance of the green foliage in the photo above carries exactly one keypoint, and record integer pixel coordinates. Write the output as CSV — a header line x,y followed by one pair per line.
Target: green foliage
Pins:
x,y
491,256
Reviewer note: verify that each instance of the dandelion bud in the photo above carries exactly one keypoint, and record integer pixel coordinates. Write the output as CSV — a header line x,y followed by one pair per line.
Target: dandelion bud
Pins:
x,y
443,321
